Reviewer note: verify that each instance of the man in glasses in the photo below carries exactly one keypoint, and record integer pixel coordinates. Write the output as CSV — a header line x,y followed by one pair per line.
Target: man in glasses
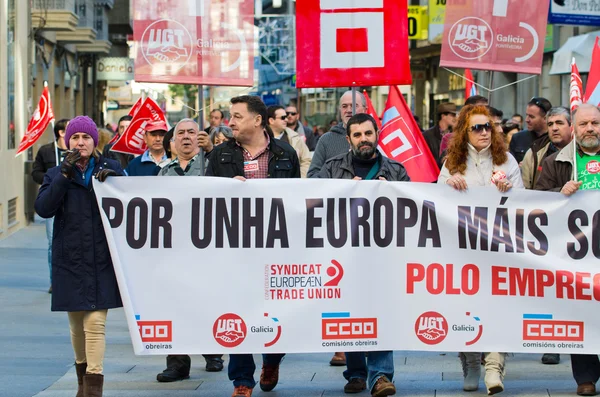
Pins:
x,y
446,113
277,122
154,158
293,122
536,134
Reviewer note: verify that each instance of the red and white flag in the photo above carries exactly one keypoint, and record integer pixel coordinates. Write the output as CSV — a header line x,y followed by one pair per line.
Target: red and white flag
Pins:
x,y
136,106
592,89
42,116
576,88
371,109
401,139
470,87
132,139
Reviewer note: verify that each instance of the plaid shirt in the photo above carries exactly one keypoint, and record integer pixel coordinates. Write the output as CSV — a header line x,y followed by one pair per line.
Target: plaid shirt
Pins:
x,y
256,167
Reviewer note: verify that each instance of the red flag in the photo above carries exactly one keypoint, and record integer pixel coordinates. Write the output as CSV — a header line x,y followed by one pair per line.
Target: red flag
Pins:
x,y
470,88
401,139
371,109
42,116
592,89
576,88
136,106
132,140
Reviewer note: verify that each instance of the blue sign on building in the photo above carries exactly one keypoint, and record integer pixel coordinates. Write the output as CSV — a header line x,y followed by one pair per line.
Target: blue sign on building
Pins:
x,y
574,12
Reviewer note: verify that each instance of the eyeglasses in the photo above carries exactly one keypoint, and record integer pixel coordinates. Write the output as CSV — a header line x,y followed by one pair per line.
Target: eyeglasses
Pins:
x,y
545,106
291,114
478,128
281,118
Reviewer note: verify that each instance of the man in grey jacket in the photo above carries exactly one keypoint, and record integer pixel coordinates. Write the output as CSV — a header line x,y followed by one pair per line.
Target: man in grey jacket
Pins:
x,y
334,142
364,162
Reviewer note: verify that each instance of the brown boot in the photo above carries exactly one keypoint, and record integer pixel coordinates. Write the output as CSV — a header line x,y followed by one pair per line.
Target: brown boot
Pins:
x,y
92,385
338,360
80,370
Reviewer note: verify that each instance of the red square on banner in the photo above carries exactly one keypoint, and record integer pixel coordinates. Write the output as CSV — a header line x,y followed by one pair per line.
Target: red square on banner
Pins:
x,y
352,43
352,40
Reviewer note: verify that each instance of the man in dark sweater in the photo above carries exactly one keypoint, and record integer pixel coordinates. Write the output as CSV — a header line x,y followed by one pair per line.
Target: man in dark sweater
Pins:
x,y
364,162
44,160
154,158
334,142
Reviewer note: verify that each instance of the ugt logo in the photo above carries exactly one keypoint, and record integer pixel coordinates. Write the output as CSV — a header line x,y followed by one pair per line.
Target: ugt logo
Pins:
x,y
431,328
230,330
167,41
470,38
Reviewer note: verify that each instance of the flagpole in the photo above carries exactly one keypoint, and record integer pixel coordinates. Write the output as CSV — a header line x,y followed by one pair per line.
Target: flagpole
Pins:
x,y
52,124
353,100
201,124
573,138
491,87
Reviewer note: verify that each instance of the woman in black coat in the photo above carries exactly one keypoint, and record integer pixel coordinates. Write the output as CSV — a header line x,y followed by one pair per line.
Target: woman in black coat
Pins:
x,y
83,278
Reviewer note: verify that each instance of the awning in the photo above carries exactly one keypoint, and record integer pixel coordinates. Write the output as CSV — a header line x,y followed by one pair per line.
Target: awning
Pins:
x,y
578,47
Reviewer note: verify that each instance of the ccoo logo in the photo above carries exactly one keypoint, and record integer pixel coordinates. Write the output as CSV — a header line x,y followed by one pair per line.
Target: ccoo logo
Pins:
x,y
470,38
230,330
431,328
167,42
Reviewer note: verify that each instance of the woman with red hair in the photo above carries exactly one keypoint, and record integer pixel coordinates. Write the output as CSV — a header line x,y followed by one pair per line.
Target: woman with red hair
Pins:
x,y
477,156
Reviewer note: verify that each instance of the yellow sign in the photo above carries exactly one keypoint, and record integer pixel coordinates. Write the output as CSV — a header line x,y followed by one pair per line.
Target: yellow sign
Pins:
x,y
418,22
437,11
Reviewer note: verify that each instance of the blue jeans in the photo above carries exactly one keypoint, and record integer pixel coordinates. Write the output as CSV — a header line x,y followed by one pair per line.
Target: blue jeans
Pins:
x,y
49,231
241,367
378,364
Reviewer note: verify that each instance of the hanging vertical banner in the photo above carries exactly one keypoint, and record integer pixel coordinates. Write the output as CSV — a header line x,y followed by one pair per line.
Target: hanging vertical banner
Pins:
x,y
437,10
194,41
344,43
42,116
500,35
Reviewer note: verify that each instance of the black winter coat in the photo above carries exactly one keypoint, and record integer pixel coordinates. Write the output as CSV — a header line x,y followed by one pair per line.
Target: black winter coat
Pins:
x,y
227,160
44,160
83,277
340,167
522,141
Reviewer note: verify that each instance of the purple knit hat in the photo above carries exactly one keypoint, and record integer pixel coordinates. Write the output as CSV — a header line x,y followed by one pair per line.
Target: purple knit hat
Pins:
x,y
81,124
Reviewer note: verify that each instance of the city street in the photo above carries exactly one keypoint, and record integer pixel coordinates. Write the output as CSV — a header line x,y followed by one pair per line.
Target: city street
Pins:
x,y
36,356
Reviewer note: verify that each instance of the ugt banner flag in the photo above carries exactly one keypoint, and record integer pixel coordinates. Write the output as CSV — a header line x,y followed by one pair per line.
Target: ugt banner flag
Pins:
x,y
401,139
592,89
132,140
42,116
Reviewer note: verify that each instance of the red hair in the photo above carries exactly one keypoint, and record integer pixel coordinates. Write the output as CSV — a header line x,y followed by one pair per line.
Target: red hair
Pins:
x,y
456,160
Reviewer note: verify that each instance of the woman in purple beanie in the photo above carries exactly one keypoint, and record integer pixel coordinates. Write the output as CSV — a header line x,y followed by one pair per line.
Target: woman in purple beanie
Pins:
x,y
83,279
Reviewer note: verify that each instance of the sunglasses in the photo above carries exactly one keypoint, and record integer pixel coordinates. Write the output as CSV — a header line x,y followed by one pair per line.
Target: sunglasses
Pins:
x,y
538,102
282,117
478,128
291,113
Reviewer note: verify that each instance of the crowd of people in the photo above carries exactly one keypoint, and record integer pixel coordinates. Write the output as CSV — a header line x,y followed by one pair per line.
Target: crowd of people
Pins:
x,y
473,146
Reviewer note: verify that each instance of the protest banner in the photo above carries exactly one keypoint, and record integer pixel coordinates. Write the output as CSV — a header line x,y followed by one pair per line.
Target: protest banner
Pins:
x,y
42,116
132,140
194,42
330,265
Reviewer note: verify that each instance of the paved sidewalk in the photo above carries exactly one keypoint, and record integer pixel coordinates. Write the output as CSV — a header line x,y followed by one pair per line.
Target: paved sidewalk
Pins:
x,y
36,356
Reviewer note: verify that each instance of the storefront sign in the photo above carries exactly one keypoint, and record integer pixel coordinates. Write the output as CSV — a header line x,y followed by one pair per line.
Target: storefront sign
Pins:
x,y
499,35
418,21
577,12
115,68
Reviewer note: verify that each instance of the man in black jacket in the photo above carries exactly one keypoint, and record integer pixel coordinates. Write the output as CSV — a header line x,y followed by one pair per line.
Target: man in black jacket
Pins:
x,y
364,162
537,129
252,154
44,160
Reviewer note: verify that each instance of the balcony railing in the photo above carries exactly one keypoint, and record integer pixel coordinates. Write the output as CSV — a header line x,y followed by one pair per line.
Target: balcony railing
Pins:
x,y
85,11
101,21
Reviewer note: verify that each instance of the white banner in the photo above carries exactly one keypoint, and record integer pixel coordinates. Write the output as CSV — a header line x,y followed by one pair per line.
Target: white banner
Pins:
x,y
215,265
